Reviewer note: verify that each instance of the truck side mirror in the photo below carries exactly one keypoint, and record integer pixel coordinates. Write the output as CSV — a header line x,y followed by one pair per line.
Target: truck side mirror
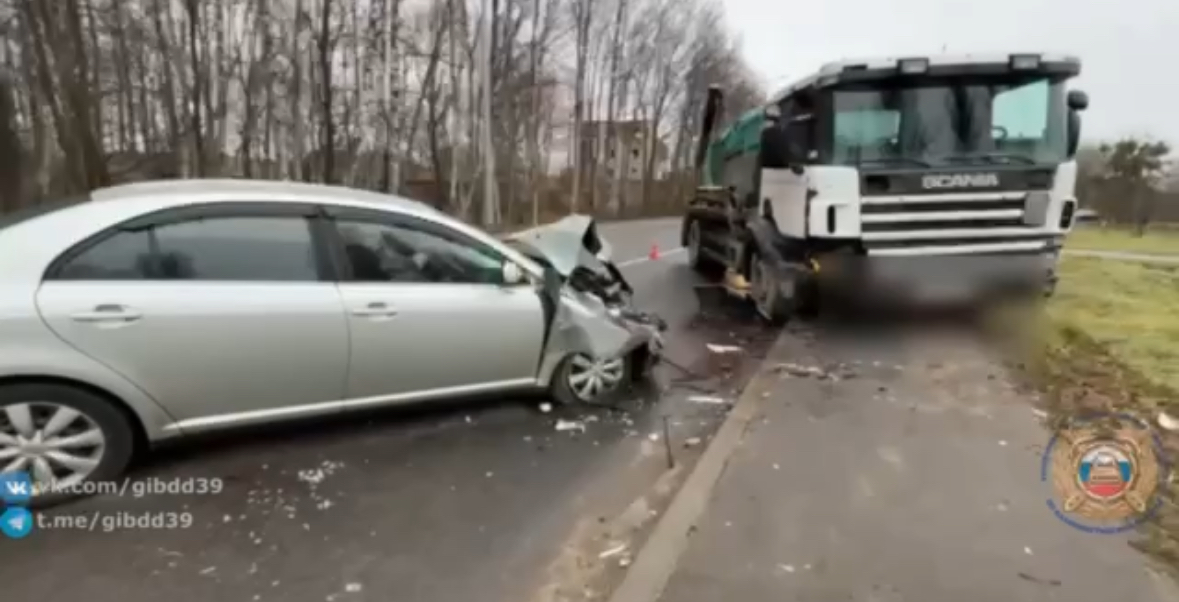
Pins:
x,y
1074,132
1077,101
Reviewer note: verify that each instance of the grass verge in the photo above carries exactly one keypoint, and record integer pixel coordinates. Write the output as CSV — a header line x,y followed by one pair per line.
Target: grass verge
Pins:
x,y
1096,238
1109,341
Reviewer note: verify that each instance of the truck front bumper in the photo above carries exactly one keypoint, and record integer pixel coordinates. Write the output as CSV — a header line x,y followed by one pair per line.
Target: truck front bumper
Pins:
x,y
943,278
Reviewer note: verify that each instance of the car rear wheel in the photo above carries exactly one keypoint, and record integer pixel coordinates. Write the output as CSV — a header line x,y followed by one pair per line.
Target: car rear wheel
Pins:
x,y
62,437
582,379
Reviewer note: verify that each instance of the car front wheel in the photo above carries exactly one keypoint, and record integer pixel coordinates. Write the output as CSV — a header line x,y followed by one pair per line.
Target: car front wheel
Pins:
x,y
582,379
63,438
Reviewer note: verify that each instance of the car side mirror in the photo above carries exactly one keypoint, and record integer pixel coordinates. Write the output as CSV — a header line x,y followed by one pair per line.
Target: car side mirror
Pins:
x,y
512,274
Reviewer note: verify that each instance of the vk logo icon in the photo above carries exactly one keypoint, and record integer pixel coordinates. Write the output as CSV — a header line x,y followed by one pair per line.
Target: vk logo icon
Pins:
x,y
16,488
16,522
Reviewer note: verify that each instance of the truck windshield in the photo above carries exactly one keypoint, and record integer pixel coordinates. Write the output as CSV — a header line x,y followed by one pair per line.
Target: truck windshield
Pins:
x,y
947,121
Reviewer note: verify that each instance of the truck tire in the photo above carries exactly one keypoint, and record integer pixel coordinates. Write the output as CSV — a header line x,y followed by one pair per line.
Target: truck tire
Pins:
x,y
765,293
694,243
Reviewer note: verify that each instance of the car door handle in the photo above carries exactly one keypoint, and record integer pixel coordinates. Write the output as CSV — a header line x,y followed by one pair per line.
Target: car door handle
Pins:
x,y
107,312
375,310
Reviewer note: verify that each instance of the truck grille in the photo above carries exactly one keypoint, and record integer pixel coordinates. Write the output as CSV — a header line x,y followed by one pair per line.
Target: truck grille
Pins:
x,y
946,221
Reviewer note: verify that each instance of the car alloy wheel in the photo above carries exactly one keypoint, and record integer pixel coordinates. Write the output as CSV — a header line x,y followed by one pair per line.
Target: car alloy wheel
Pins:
x,y
589,379
58,446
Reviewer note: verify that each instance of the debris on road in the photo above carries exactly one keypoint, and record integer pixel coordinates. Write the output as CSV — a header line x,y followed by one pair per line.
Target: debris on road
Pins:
x,y
620,548
570,425
1034,579
800,370
692,442
545,407
353,588
208,570
707,399
1039,414
789,568
721,349
1168,422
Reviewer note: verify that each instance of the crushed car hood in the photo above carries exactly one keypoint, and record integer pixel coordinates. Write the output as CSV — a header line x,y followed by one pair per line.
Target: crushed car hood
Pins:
x,y
566,244
593,310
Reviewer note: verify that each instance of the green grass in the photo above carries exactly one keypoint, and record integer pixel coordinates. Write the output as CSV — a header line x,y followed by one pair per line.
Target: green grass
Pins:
x,y
1109,341
1096,238
1129,308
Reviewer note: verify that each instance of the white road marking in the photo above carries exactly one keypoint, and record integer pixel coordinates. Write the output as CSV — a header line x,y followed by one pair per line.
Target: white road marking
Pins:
x,y
639,260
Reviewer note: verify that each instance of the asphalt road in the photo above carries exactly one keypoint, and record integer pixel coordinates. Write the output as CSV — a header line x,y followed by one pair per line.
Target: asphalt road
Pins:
x,y
480,501
913,476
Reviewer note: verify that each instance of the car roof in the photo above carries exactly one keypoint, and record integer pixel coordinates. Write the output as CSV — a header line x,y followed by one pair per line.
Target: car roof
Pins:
x,y
186,191
40,237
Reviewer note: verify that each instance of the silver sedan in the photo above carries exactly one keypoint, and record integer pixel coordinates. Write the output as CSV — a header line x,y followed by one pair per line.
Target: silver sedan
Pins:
x,y
150,311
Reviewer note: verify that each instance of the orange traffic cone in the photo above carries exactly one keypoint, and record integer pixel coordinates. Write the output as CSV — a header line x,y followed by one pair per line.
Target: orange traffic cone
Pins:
x,y
654,254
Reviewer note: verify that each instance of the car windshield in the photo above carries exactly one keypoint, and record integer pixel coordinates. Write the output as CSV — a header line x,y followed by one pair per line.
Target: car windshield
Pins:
x,y
974,120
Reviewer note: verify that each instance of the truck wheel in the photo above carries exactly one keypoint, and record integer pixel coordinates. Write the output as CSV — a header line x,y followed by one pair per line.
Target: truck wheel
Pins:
x,y
765,292
694,243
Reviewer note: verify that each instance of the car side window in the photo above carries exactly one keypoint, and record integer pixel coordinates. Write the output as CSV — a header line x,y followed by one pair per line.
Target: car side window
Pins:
x,y
122,256
266,249
236,248
387,252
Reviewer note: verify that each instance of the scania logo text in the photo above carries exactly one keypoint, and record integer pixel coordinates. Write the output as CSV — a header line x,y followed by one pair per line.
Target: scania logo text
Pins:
x,y
960,180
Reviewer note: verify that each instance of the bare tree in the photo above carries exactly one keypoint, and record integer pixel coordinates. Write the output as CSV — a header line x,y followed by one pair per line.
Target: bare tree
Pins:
x,y
361,93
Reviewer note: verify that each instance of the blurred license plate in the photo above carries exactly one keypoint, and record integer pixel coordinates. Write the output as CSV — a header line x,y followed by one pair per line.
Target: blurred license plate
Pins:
x,y
943,292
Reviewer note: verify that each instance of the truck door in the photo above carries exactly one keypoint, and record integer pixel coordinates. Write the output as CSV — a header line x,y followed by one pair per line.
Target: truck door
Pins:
x,y
784,188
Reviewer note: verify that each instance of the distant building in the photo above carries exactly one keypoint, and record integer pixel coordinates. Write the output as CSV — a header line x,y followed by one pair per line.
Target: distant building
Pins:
x,y
632,134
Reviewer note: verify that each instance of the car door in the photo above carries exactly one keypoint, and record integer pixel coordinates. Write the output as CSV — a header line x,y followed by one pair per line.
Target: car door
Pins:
x,y
429,313
224,313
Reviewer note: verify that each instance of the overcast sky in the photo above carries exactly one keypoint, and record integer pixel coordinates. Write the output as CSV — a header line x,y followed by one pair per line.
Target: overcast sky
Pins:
x,y
1128,48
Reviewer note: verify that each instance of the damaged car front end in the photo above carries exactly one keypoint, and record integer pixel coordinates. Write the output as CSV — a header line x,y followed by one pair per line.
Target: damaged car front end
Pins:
x,y
596,340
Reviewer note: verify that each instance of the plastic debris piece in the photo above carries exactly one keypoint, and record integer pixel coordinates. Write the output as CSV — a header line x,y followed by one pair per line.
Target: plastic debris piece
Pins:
x,y
570,425
616,550
1168,422
723,348
707,399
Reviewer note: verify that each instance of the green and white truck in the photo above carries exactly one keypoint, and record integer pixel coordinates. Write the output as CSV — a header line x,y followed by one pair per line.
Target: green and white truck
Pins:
x,y
937,177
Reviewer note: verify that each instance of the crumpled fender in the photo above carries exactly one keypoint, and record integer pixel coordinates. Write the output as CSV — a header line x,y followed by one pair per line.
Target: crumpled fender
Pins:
x,y
581,322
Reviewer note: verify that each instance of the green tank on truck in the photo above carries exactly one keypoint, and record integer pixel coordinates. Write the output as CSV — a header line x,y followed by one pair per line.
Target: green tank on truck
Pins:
x,y
741,139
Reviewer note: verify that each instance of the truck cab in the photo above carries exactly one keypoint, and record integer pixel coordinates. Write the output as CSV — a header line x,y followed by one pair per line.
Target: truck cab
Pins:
x,y
940,173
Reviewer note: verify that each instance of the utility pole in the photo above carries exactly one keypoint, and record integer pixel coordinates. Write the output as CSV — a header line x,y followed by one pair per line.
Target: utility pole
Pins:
x,y
490,203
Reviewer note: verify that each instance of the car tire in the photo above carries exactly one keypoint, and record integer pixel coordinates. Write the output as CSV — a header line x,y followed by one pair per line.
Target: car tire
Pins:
x,y
114,449
564,383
